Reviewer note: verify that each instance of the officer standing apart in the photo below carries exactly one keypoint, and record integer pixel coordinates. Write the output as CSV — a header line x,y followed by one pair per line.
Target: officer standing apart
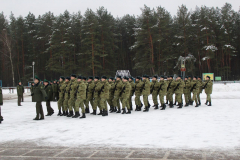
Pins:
x,y
39,96
20,91
49,91
208,90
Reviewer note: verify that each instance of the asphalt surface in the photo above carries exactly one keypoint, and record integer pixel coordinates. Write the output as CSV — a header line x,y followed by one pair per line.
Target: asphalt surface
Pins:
x,y
33,151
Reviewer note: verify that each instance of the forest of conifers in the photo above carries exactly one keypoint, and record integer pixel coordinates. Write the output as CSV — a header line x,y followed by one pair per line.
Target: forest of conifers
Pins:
x,y
95,43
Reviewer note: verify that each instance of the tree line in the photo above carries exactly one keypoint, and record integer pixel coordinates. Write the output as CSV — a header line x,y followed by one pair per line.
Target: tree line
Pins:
x,y
96,43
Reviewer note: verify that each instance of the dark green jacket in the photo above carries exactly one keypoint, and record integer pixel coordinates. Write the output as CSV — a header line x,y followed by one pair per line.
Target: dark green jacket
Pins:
x,y
200,86
49,92
55,87
20,90
39,93
1,97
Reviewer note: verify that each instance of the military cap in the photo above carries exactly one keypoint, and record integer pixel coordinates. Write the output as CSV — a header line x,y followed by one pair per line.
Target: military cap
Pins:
x,y
170,76
19,81
208,77
36,77
125,77
62,78
189,77
91,77
104,77
162,76
155,76
84,78
130,77
74,75
79,77
195,77
180,76
199,77
111,78
138,77
68,78
186,77
146,76
46,80
96,77
119,76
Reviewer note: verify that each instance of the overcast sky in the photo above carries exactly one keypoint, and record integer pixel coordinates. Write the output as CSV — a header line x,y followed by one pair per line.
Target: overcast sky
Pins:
x,y
116,7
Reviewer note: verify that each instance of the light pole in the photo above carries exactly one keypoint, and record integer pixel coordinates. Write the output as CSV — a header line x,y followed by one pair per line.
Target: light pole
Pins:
x,y
33,63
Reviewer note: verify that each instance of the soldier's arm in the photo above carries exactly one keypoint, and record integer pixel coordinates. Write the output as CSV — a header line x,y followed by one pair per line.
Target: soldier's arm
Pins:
x,y
43,92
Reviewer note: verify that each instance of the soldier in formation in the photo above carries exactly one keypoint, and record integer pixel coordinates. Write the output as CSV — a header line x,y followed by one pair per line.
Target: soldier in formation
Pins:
x,y
80,93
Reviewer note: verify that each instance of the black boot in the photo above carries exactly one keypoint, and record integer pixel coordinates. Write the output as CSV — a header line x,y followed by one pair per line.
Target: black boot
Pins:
x,y
149,105
199,103
87,110
166,102
129,111
206,103
105,113
77,114
131,108
94,112
180,106
70,114
124,111
175,103
59,113
171,105
66,113
100,112
191,103
63,113
111,108
118,111
164,107
186,105
83,116
48,114
156,106
146,109
210,104
136,109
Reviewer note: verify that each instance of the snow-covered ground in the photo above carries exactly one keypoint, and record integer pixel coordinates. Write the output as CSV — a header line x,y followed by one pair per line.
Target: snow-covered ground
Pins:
x,y
199,128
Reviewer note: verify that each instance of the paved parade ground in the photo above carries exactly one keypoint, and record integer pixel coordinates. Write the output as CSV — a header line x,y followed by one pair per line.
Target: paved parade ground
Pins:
x,y
31,151
190,133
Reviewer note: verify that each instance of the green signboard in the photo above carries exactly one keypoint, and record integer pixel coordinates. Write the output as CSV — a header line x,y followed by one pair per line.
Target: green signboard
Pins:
x,y
218,78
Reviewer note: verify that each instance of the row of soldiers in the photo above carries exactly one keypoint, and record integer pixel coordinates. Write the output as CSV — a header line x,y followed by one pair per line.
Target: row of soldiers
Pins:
x,y
77,92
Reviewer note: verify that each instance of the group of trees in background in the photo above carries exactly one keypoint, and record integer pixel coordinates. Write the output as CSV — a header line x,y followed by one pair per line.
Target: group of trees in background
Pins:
x,y
96,43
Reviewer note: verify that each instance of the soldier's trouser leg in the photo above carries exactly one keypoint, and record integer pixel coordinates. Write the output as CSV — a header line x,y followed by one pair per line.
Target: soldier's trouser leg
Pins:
x,y
49,108
22,98
161,97
19,100
128,104
145,100
170,97
190,97
110,100
38,106
54,96
116,102
71,104
90,99
124,103
86,103
154,97
60,103
96,103
198,97
186,97
137,100
178,98
65,104
195,97
103,103
79,103
91,102
209,98
130,101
